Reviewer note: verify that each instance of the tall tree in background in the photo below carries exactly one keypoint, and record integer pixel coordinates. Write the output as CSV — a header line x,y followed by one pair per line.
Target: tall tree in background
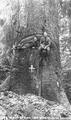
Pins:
x,y
65,43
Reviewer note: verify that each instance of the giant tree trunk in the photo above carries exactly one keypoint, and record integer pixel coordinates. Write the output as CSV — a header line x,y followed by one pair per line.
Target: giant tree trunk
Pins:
x,y
45,78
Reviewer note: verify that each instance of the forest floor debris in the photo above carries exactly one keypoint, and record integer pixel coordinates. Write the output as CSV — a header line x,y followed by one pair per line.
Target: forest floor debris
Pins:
x,y
30,107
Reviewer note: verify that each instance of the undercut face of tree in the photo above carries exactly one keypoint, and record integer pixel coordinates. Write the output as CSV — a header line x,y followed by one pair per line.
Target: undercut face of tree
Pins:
x,y
36,65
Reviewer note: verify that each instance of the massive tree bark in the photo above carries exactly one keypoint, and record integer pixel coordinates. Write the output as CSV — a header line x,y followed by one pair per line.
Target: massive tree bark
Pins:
x,y
45,79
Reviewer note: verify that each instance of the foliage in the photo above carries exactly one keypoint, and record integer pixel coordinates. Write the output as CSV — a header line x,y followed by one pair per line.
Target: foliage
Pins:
x,y
65,44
